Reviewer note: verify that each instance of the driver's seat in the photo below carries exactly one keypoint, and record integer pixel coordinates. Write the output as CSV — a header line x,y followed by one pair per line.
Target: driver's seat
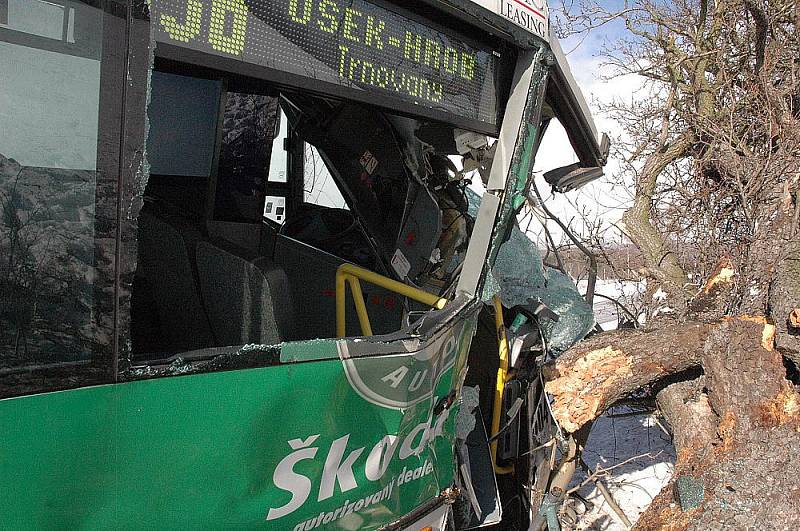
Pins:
x,y
247,297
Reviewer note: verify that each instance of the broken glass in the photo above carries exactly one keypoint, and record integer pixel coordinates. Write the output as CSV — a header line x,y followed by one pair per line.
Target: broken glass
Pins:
x,y
523,278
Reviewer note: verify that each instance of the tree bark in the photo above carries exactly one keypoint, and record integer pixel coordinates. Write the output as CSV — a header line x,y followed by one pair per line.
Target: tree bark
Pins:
x,y
589,378
748,472
685,404
736,428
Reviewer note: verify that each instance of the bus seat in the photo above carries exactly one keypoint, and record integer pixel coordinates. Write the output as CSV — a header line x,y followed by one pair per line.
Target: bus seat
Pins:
x,y
247,297
166,261
244,235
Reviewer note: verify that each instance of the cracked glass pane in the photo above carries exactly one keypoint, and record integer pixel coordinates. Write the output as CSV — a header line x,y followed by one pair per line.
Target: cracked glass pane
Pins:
x,y
522,276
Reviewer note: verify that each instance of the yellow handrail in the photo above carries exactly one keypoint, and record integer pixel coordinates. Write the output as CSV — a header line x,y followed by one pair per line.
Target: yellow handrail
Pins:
x,y
353,274
500,382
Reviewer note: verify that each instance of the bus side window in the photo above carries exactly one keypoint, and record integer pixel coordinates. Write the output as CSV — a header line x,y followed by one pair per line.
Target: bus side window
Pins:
x,y
58,175
248,127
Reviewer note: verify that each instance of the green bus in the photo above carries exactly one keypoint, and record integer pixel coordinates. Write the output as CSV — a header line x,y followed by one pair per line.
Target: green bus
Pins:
x,y
257,262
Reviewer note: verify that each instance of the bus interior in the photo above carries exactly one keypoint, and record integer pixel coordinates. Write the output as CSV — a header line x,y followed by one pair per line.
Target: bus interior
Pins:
x,y
257,195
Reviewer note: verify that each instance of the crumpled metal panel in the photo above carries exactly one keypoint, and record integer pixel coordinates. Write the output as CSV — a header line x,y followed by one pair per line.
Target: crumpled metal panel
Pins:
x,y
518,272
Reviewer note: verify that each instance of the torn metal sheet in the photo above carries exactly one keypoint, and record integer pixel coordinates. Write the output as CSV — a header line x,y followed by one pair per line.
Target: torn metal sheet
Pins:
x,y
479,504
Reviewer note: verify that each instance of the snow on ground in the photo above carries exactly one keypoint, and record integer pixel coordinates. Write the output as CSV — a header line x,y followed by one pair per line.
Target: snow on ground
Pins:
x,y
605,311
616,440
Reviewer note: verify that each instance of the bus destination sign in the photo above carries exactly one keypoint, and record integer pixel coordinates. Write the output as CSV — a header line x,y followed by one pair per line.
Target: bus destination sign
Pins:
x,y
350,43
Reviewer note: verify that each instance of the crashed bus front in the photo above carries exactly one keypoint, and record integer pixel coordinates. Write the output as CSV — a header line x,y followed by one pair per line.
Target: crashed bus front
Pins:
x,y
246,246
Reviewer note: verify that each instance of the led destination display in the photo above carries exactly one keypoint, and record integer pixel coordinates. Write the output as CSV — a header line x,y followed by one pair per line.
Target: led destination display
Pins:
x,y
350,43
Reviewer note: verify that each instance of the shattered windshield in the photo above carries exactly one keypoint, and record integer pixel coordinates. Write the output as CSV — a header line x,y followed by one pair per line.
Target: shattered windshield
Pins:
x,y
522,278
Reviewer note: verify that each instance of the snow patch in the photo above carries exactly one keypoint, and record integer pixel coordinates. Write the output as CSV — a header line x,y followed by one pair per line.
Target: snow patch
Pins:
x,y
645,458
665,309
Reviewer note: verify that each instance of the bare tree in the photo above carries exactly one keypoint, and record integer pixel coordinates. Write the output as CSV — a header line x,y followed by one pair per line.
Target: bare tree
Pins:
x,y
712,149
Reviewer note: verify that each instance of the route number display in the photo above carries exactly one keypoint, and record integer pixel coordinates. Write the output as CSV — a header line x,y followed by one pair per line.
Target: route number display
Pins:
x,y
350,43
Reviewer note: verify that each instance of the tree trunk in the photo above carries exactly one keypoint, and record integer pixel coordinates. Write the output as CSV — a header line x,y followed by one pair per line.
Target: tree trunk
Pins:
x,y
736,428
686,404
636,222
589,378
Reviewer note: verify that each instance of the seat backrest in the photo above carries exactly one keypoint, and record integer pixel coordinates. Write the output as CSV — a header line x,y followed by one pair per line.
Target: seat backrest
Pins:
x,y
166,261
244,235
247,298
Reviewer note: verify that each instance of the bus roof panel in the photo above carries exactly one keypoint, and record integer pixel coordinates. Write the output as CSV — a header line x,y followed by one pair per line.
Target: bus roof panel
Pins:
x,y
530,15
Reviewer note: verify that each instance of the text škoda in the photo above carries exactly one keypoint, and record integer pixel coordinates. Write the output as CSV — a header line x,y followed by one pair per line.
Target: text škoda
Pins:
x,y
339,464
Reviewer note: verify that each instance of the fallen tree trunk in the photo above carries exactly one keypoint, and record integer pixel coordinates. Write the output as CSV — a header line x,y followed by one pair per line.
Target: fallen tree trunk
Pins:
x,y
589,378
737,460
686,404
